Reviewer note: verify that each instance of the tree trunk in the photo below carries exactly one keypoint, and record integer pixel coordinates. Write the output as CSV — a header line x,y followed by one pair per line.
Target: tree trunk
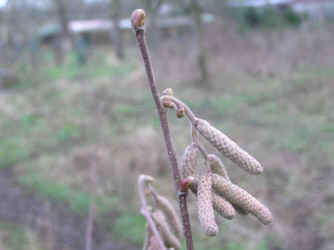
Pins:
x,y
116,33
153,7
66,42
201,52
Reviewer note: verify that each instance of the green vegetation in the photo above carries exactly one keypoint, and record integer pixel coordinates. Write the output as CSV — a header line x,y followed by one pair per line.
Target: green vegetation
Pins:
x,y
15,237
11,152
130,227
267,17
78,201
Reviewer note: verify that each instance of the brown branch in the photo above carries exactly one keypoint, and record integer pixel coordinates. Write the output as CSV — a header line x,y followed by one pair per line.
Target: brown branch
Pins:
x,y
146,213
137,19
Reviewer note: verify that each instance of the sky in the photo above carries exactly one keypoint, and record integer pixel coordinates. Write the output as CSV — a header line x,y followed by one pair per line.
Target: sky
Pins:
x,y
3,3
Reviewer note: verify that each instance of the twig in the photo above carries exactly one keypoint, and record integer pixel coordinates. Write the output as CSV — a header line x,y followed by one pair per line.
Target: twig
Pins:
x,y
147,214
137,19
179,103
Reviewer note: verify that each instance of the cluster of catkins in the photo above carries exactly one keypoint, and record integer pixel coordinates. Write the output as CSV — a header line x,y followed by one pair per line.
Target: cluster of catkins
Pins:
x,y
164,217
210,182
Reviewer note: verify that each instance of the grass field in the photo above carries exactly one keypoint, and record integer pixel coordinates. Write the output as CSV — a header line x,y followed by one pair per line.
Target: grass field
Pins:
x,y
270,92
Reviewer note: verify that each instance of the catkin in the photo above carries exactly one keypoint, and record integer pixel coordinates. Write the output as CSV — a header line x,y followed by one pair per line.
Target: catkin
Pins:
x,y
228,147
168,237
189,160
204,202
240,210
223,207
217,166
238,196
154,244
164,204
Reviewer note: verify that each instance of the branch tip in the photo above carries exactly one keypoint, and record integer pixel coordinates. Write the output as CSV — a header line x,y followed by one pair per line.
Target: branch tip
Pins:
x,y
138,19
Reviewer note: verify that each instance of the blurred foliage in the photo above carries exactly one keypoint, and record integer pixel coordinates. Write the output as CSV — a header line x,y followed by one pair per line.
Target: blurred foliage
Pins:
x,y
16,237
267,17
71,70
11,152
78,201
130,227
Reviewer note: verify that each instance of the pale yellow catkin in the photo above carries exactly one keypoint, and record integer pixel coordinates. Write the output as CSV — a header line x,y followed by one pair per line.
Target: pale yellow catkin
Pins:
x,y
238,196
228,147
190,160
204,203
223,207
217,166
170,240
166,206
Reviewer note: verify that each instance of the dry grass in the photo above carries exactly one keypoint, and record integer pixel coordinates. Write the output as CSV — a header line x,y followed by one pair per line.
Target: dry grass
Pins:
x,y
271,92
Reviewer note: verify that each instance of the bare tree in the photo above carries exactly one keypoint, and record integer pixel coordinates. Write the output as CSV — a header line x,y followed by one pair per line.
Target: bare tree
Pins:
x,y
66,41
116,33
196,12
153,7
194,9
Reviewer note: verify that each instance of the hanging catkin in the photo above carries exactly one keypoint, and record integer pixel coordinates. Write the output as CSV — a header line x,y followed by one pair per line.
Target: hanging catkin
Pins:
x,y
189,160
223,207
228,147
154,244
169,238
204,203
217,166
170,213
238,196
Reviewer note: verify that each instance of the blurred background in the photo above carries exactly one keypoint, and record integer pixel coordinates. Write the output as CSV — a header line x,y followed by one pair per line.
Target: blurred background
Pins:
x,y
78,124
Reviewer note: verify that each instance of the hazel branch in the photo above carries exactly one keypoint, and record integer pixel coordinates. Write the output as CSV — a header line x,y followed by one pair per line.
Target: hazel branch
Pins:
x,y
138,20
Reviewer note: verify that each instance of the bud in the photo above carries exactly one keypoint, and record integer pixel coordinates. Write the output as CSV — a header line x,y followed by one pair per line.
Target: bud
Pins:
x,y
180,112
204,203
167,103
228,147
238,196
168,237
168,92
138,18
186,183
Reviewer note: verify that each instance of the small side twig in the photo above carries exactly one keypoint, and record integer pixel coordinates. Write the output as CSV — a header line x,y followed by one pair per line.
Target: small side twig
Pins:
x,y
147,214
179,103
138,20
